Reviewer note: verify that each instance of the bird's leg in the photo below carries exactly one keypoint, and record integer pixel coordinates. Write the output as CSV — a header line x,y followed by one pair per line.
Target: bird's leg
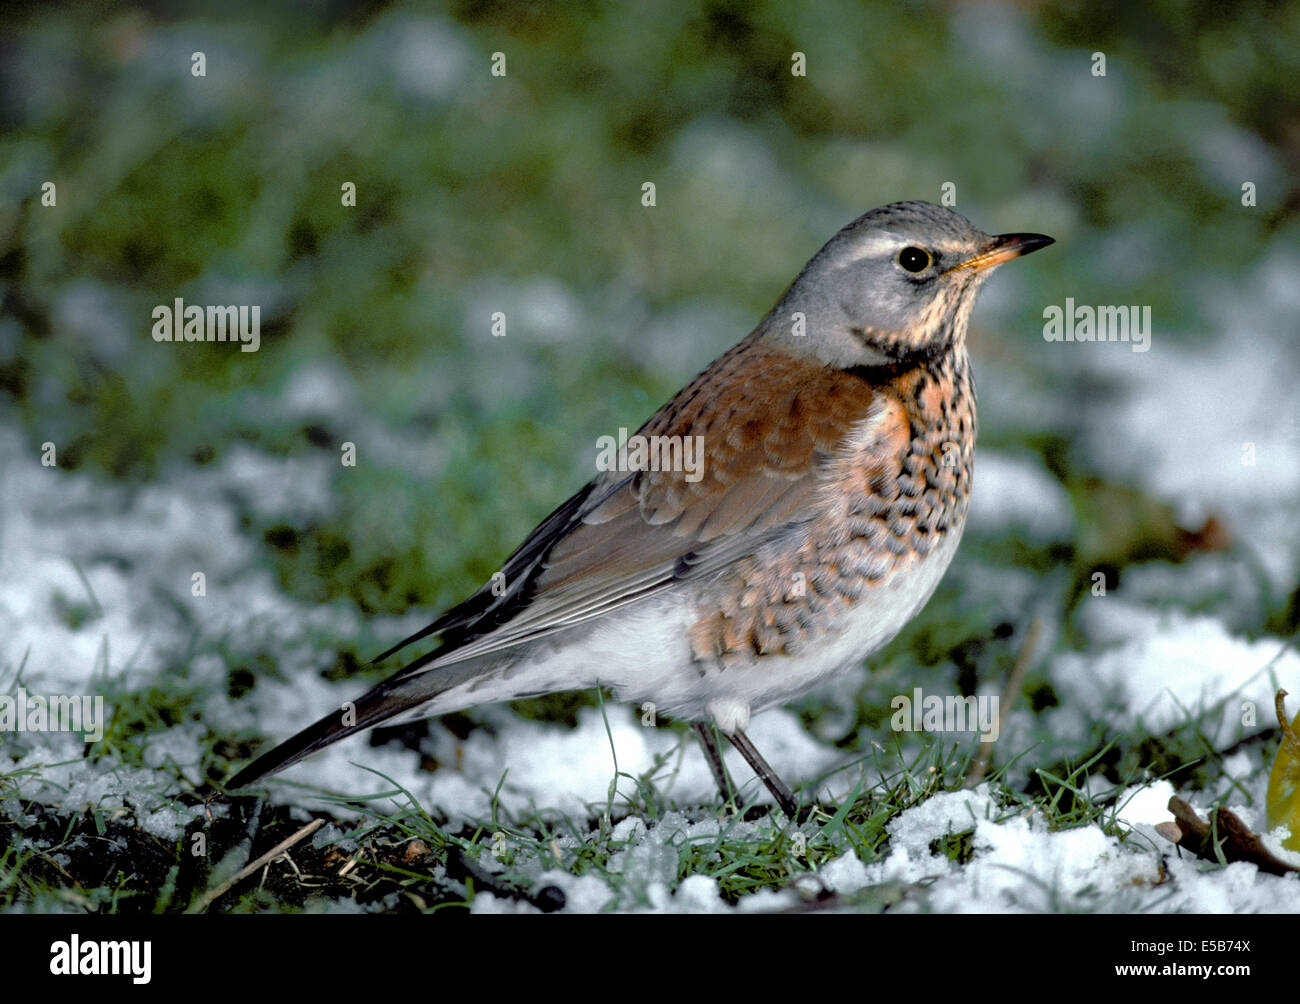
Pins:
x,y
704,732
779,789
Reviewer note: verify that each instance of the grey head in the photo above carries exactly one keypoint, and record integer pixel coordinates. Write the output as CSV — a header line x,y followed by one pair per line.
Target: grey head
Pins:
x,y
894,286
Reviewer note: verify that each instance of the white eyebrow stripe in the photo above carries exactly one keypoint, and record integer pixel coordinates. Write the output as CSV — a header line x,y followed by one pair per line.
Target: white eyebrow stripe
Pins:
x,y
886,244
879,246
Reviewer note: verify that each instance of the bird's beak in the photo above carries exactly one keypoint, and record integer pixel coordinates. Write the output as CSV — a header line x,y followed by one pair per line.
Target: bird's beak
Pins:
x,y
1003,248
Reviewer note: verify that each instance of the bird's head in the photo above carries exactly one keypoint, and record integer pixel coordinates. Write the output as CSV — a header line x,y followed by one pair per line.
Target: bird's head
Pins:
x,y
894,286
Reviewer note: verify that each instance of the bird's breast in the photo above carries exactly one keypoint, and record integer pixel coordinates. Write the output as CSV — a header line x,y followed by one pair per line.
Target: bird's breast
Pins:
x,y
889,511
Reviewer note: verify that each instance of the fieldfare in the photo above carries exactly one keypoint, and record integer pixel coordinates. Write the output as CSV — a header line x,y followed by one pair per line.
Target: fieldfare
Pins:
x,y
836,441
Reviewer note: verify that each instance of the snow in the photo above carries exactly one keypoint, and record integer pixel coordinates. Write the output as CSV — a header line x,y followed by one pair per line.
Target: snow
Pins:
x,y
1172,665
1213,425
1017,492
1177,430
546,766
1021,865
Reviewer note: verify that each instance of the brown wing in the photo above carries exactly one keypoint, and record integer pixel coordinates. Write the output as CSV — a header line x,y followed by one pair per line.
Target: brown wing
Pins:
x,y
775,431
767,422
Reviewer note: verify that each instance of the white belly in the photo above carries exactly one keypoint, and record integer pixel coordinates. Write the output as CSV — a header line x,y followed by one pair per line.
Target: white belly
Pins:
x,y
675,684
642,654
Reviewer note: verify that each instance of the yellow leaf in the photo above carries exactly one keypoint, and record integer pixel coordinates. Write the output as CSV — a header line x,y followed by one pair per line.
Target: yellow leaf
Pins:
x,y
1283,801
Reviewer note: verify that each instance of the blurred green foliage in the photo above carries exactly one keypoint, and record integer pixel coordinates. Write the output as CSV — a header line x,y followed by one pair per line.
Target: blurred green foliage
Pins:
x,y
479,193
522,194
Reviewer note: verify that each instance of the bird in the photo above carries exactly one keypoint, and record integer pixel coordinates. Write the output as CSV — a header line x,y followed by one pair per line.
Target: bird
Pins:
x,y
836,446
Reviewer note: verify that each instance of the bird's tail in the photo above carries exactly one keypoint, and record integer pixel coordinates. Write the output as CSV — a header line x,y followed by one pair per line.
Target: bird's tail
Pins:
x,y
408,695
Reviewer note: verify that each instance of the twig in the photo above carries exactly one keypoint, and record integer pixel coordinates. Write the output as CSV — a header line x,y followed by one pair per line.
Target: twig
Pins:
x,y
208,897
981,765
1226,834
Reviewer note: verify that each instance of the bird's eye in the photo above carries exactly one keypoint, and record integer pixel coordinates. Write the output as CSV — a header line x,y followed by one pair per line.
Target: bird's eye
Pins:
x,y
914,259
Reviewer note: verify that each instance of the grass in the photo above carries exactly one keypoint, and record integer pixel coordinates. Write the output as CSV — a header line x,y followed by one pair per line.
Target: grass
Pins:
x,y
388,852
469,200
400,856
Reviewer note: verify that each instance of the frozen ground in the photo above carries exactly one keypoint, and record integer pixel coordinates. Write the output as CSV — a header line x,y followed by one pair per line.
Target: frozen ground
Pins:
x,y
1180,427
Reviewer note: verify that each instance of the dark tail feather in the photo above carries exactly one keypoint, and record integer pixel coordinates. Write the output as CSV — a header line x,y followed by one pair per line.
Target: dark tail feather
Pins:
x,y
388,700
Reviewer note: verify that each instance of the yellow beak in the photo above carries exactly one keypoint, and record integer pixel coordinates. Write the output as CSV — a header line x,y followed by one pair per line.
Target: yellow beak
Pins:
x,y
1003,248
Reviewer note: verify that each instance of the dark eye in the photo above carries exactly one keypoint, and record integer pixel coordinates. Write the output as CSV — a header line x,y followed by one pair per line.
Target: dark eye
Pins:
x,y
914,259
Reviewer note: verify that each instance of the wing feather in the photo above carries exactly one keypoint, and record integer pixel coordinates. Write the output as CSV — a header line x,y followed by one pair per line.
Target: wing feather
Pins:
x,y
768,423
